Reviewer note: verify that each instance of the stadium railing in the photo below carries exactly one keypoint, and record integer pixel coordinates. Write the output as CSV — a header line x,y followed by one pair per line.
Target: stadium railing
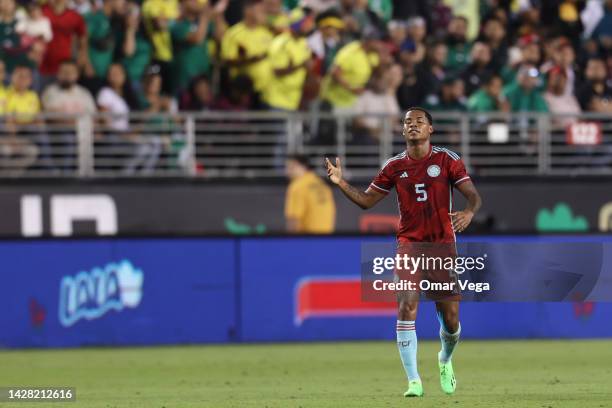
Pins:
x,y
221,144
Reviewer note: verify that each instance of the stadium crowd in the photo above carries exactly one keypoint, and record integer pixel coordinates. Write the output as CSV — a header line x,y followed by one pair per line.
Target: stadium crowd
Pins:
x,y
377,56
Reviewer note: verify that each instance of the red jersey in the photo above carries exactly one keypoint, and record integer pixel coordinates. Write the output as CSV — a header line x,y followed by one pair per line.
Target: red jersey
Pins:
x,y
424,193
65,27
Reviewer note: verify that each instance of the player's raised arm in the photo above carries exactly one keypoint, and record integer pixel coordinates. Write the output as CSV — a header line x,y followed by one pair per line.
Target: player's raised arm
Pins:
x,y
461,219
364,199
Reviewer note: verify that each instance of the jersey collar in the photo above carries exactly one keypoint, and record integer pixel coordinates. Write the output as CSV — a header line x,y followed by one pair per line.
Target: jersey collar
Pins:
x,y
424,158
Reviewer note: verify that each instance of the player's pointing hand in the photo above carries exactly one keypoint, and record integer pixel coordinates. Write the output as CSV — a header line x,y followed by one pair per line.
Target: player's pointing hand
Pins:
x,y
334,172
461,220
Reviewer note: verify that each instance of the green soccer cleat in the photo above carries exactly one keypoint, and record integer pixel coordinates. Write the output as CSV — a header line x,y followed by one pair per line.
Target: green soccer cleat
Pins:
x,y
447,378
415,389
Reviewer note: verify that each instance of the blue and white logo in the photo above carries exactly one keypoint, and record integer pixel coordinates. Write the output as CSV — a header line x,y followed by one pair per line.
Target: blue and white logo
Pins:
x,y
433,170
90,295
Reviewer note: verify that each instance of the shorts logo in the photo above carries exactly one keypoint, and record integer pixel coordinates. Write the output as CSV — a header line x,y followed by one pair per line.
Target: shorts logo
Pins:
x,y
433,170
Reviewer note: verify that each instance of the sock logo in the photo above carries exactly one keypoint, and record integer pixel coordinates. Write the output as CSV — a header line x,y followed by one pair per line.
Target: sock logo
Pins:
x,y
404,343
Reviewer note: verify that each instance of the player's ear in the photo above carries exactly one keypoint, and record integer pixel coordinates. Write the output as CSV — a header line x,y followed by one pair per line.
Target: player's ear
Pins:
x,y
431,129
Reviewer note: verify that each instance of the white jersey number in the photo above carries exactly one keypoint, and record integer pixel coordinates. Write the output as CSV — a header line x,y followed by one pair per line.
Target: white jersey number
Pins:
x,y
420,190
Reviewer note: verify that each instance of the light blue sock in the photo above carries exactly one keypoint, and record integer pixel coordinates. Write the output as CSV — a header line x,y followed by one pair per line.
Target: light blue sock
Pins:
x,y
407,346
449,341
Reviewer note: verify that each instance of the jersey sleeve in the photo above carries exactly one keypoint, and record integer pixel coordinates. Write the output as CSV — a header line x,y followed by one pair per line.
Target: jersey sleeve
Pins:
x,y
457,173
383,183
229,46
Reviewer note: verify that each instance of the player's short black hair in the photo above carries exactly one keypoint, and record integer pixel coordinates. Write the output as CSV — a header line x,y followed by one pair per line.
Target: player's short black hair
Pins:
x,y
300,158
425,112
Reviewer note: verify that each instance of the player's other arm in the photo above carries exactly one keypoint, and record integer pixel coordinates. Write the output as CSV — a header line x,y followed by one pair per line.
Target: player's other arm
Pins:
x,y
364,199
461,219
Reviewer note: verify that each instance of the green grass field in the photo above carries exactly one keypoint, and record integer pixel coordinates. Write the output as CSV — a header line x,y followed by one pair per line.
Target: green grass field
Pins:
x,y
540,374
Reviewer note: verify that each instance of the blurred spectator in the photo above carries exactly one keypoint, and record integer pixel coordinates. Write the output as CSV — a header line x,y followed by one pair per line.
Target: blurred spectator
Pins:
x,y
558,101
276,18
199,97
136,50
239,97
327,39
117,100
358,17
21,110
494,34
151,100
378,100
470,10
564,58
33,25
528,20
189,40
417,30
101,37
309,204
245,46
527,52
290,60
398,33
67,102
603,30
489,97
22,104
65,96
596,94
12,51
413,88
68,28
157,17
477,72
433,66
158,125
450,97
522,94
458,45
351,71
440,17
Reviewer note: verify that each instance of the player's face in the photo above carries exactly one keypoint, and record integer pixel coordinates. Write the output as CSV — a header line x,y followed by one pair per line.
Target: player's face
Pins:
x,y
416,126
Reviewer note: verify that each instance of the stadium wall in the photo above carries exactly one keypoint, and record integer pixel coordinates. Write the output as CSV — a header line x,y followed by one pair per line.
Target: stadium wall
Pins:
x,y
67,293
183,208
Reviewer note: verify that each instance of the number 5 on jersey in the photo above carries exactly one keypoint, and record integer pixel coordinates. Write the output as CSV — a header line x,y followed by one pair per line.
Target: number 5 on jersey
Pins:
x,y
420,190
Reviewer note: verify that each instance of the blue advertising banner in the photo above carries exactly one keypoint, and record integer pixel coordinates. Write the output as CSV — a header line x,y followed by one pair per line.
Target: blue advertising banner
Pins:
x,y
170,291
128,292
320,296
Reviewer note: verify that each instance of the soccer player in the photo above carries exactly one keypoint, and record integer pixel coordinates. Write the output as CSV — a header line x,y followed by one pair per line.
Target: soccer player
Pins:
x,y
423,176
